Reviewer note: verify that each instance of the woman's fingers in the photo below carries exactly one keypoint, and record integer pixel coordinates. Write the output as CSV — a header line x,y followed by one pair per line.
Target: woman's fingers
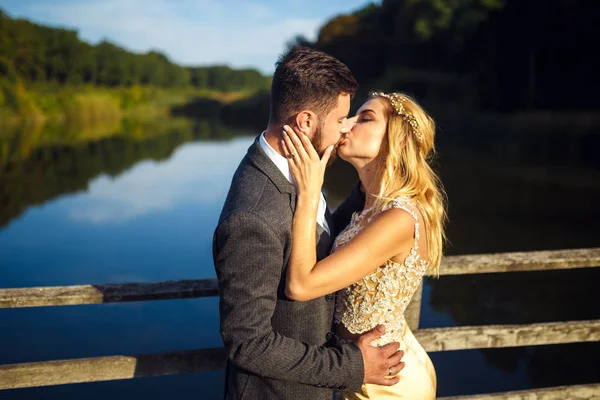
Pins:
x,y
286,151
302,156
289,147
293,136
307,144
290,153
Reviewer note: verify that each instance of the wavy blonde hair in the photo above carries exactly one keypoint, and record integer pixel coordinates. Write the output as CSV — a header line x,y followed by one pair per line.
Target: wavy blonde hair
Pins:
x,y
406,153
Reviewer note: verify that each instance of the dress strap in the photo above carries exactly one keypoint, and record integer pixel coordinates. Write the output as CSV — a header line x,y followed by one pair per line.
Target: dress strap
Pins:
x,y
407,204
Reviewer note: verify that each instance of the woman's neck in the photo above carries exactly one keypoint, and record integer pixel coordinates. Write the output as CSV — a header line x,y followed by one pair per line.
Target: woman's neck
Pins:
x,y
368,178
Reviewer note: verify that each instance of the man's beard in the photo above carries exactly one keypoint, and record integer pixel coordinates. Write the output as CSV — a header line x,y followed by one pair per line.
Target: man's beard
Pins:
x,y
317,142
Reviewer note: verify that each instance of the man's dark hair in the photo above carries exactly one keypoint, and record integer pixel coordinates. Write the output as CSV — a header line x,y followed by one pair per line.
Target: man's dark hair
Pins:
x,y
305,78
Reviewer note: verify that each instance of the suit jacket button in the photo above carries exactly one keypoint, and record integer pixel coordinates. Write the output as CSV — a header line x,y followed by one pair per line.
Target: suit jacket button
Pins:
x,y
329,336
343,387
329,297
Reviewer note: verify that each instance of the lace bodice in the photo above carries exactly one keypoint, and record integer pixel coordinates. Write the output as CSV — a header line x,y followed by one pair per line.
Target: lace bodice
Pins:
x,y
382,296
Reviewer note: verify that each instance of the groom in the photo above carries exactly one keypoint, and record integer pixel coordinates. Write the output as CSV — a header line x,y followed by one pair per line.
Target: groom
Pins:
x,y
278,348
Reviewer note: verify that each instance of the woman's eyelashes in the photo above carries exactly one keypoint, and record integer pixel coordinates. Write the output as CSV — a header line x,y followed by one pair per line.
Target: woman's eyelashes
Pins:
x,y
365,116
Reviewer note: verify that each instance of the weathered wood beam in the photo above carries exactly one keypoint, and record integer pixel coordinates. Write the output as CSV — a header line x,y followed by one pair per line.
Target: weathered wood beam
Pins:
x,y
496,336
451,265
436,339
520,261
49,373
109,293
574,392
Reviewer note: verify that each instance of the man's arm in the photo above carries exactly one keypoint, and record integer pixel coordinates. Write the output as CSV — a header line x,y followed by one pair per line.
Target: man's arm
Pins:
x,y
248,258
343,214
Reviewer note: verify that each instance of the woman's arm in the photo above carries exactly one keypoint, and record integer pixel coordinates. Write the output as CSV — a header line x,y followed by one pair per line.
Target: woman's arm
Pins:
x,y
386,236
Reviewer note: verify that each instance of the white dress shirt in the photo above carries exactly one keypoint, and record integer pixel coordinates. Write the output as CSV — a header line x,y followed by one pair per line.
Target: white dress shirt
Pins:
x,y
282,164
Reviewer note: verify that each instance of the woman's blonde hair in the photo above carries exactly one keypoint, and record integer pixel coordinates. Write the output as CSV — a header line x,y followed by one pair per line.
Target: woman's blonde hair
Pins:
x,y
406,152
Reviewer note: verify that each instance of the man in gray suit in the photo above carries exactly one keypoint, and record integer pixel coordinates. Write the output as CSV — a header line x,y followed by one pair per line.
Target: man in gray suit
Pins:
x,y
278,348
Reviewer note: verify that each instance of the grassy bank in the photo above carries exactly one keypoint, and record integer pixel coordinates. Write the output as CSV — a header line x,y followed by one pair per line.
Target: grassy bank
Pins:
x,y
39,104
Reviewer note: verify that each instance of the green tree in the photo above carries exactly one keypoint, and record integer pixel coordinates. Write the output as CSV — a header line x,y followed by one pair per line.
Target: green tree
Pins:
x,y
36,53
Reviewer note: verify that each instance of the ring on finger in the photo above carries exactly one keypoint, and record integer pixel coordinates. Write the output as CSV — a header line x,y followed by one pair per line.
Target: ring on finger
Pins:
x,y
292,155
390,371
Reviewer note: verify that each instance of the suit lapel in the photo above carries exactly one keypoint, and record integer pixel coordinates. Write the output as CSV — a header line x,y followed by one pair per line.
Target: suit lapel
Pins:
x,y
258,157
293,202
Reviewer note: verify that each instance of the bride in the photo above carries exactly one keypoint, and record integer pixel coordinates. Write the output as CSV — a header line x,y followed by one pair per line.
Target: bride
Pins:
x,y
381,257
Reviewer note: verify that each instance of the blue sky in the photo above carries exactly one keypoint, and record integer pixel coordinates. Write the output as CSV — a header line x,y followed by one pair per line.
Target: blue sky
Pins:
x,y
191,32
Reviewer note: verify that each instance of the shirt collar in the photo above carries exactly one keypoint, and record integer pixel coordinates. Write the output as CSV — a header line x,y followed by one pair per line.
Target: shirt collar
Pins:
x,y
280,161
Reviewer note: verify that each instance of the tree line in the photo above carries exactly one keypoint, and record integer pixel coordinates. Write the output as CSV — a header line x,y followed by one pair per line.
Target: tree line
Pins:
x,y
36,53
490,54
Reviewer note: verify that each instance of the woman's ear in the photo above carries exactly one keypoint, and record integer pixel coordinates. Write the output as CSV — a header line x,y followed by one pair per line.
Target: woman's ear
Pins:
x,y
306,121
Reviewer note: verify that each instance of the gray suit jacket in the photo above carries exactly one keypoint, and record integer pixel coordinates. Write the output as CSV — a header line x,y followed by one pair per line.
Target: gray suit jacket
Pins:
x,y
277,348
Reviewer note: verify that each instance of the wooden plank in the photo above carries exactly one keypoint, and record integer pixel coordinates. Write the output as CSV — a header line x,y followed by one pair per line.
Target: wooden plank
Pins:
x,y
109,293
49,373
451,265
520,261
575,392
496,336
412,314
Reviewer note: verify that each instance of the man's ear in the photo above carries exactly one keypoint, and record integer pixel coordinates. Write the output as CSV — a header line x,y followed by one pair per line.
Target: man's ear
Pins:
x,y
306,121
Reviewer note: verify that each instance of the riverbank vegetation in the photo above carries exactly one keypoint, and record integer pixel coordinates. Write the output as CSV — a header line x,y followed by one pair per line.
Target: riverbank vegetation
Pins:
x,y
48,72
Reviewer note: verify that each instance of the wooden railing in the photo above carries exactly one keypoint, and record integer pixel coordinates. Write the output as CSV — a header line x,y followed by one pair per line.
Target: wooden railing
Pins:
x,y
60,372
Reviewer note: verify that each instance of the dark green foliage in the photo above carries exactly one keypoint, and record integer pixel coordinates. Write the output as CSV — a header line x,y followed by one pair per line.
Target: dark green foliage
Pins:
x,y
36,53
490,54
226,79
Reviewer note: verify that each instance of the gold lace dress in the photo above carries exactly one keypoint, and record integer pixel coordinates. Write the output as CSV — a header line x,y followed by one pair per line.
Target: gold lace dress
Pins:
x,y
381,298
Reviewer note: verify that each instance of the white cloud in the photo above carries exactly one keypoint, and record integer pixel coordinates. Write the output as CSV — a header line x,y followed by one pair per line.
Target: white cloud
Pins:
x,y
151,187
232,32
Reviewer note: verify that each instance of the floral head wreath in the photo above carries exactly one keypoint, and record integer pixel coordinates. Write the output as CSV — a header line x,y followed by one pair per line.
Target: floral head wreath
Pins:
x,y
397,101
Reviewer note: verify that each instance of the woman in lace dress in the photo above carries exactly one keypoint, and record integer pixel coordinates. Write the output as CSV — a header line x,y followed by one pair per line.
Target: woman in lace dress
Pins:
x,y
381,257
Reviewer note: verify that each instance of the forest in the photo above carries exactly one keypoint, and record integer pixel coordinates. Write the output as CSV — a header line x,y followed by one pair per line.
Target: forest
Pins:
x,y
37,53
477,55
501,55
51,72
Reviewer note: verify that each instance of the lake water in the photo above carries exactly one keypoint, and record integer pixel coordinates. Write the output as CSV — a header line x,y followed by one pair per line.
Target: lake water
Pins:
x,y
140,205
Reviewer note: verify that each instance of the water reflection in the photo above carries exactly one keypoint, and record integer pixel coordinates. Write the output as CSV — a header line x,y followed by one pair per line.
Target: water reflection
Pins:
x,y
195,173
37,166
126,207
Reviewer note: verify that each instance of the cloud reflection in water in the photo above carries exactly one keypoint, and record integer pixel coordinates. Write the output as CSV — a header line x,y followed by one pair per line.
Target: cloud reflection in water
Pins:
x,y
197,173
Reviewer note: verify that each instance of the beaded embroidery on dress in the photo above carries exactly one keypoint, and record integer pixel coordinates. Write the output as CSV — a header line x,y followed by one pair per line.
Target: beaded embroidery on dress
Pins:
x,y
382,296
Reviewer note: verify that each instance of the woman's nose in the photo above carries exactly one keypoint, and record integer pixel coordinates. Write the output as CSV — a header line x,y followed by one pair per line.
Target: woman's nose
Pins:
x,y
349,124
